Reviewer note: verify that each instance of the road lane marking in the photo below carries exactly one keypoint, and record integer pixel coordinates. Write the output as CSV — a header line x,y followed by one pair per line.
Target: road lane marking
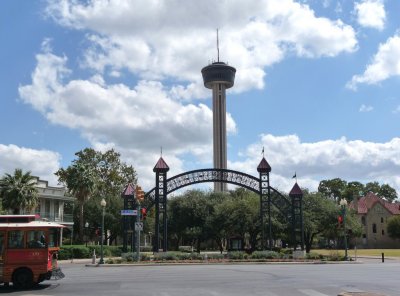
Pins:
x,y
311,292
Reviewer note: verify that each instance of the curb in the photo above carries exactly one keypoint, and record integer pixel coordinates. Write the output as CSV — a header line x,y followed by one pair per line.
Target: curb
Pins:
x,y
134,264
359,294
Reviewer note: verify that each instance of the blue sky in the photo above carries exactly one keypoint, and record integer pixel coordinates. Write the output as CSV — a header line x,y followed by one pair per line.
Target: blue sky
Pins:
x,y
317,85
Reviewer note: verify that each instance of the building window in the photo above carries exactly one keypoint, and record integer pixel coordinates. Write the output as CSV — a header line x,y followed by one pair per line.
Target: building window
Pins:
x,y
363,220
381,219
374,228
383,232
56,209
47,209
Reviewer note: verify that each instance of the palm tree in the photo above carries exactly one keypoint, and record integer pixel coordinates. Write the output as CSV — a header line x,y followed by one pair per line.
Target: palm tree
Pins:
x,y
80,181
19,192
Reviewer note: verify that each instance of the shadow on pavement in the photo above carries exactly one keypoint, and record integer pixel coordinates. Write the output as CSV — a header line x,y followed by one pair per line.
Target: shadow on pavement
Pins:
x,y
10,289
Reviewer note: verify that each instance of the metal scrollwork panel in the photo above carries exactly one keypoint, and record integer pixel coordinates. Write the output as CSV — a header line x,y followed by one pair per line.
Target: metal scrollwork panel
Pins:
x,y
213,175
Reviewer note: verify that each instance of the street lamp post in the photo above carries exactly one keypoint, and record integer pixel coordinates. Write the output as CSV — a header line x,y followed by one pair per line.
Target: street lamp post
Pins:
x,y
343,205
86,230
103,205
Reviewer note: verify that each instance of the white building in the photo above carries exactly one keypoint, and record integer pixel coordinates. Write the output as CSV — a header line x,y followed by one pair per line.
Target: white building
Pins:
x,y
54,205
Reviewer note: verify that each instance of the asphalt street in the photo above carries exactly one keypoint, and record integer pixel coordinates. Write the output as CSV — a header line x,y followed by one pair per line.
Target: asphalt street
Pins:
x,y
215,280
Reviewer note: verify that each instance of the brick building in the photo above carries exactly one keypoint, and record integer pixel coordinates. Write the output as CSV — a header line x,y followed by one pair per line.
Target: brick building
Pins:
x,y
374,213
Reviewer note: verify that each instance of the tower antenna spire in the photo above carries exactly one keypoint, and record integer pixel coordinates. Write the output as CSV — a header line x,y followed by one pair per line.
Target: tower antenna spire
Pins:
x,y
217,46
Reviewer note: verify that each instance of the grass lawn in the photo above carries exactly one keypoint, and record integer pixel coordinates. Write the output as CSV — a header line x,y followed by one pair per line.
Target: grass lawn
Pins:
x,y
361,252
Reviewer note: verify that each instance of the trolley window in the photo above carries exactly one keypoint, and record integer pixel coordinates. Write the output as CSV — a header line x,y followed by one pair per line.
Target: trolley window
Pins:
x,y
36,239
1,245
16,239
54,237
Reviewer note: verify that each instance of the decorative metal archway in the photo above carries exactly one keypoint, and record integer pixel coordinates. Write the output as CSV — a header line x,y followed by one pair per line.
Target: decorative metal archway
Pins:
x,y
291,209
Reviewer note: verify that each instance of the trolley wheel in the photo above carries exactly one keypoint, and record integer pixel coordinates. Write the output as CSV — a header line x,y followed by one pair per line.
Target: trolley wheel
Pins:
x,y
22,278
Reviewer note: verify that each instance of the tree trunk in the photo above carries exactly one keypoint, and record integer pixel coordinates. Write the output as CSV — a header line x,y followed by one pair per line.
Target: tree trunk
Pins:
x,y
218,240
198,245
81,217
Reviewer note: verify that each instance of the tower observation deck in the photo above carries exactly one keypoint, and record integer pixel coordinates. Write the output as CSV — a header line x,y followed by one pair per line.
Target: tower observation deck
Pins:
x,y
219,76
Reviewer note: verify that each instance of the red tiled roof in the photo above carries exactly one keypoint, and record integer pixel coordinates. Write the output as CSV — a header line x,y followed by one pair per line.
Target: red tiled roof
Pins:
x,y
129,190
365,203
264,166
295,190
161,166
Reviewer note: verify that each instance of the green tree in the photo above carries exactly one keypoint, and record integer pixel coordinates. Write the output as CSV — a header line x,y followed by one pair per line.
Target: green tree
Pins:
x,y
187,219
319,216
98,175
393,227
80,181
352,190
18,192
333,188
373,187
388,192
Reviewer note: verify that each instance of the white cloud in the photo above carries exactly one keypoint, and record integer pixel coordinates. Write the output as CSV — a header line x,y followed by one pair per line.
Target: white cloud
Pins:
x,y
397,110
153,41
371,13
365,108
385,64
349,160
150,38
132,120
41,163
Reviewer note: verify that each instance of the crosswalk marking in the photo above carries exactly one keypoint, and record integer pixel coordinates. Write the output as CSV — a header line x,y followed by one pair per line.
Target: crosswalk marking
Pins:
x,y
270,294
311,292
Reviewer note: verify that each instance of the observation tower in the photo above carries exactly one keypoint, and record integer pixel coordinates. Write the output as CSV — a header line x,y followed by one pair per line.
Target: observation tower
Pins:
x,y
219,76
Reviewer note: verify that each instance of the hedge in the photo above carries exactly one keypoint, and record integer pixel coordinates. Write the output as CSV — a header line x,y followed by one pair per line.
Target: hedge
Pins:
x,y
81,251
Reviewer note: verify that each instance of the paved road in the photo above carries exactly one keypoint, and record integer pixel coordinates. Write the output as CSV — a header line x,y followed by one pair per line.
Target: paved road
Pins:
x,y
216,280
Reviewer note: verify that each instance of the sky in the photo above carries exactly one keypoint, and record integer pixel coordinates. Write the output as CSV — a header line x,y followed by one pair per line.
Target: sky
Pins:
x,y
316,85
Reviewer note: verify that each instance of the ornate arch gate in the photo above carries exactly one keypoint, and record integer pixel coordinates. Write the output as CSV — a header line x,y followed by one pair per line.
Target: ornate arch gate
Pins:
x,y
290,208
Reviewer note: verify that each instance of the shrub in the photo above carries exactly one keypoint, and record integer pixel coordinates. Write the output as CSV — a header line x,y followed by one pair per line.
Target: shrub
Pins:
x,y
183,256
196,256
74,251
168,256
286,251
128,257
335,256
265,255
81,251
132,257
144,257
215,256
236,255
313,256
64,253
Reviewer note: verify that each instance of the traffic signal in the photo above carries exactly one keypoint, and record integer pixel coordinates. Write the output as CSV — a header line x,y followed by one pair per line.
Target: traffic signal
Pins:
x,y
143,212
340,220
139,193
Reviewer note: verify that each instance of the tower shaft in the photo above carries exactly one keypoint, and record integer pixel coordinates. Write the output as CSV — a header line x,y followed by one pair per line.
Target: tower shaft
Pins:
x,y
219,131
218,77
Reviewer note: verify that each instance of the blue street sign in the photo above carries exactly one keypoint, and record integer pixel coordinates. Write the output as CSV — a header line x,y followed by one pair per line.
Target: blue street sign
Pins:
x,y
129,212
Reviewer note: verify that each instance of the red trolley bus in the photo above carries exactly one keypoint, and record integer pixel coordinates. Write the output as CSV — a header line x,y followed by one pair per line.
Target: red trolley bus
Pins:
x,y
28,250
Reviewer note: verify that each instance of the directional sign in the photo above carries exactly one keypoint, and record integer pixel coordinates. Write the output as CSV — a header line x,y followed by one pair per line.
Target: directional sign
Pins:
x,y
138,226
129,212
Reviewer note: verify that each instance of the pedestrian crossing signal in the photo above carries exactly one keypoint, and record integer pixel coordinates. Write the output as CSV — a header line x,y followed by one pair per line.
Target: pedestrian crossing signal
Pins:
x,y
139,193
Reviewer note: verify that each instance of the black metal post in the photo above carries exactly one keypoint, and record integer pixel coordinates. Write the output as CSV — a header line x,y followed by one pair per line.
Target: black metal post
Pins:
x,y
269,215
156,246
102,234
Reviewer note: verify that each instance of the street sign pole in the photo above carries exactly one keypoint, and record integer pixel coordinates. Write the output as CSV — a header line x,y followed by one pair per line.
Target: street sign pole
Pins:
x,y
138,234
